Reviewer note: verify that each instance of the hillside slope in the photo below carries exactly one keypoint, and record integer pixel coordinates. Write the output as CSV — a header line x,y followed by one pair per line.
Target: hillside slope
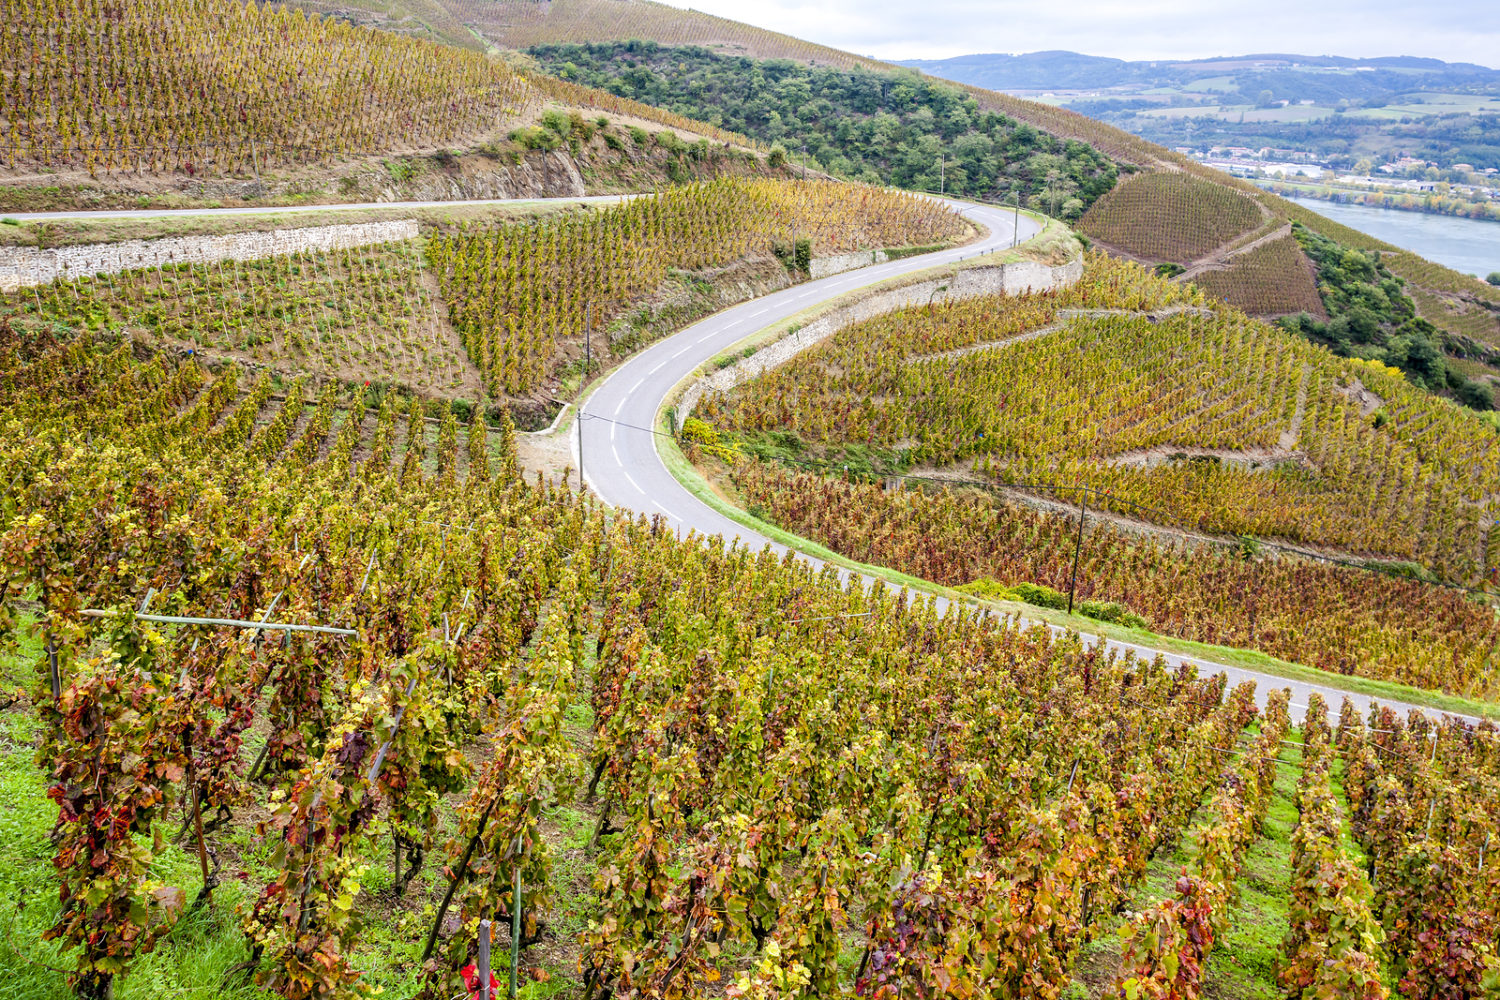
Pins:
x,y
99,104
1232,235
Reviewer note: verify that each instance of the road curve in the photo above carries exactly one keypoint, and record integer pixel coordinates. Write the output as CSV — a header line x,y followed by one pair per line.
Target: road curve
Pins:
x,y
616,445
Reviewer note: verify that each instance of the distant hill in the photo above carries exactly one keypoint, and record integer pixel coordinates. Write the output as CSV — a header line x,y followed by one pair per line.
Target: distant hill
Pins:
x,y
1337,109
1327,75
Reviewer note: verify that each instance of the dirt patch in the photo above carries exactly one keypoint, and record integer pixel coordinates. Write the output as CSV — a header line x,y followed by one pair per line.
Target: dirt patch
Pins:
x,y
548,455
1357,394
1248,458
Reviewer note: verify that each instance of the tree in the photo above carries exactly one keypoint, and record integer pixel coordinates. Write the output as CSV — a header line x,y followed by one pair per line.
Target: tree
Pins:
x,y
1494,278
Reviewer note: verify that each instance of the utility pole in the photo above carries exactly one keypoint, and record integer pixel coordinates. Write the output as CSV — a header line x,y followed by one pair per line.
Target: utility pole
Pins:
x,y
1015,229
1077,548
942,179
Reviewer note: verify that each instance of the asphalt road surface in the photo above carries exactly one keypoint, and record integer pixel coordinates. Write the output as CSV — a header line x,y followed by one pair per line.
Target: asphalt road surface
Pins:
x,y
617,446
614,435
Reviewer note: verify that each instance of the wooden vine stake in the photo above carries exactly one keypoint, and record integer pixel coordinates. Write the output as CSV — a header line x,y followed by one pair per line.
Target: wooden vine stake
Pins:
x,y
515,929
484,961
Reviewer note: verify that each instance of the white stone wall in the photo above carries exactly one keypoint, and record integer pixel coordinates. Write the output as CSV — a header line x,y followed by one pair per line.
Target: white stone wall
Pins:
x,y
999,279
822,267
21,267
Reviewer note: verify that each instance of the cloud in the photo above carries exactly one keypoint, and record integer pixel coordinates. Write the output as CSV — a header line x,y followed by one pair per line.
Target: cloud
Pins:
x,y
1455,30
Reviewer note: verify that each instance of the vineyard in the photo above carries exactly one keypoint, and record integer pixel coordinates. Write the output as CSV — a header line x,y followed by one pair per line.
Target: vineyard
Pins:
x,y
1273,279
1197,419
519,294
1172,217
220,87
362,663
1341,619
343,313
515,291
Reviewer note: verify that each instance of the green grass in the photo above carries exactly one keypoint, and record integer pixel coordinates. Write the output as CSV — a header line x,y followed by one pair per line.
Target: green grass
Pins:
x,y
1242,964
189,963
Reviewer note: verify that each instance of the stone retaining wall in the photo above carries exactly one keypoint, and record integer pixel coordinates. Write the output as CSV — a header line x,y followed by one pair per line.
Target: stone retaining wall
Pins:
x,y
822,267
1000,279
22,267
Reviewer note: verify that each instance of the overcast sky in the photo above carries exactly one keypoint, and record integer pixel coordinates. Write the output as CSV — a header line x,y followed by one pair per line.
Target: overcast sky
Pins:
x,y
1454,30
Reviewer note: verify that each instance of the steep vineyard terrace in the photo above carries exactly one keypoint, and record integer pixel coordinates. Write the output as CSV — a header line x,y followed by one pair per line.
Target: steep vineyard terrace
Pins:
x,y
1190,421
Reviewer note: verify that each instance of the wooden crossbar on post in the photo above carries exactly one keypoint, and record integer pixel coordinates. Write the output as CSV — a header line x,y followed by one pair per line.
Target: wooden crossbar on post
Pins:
x,y
228,623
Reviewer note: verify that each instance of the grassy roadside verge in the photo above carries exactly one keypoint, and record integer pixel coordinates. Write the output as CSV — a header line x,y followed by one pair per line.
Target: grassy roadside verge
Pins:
x,y
690,477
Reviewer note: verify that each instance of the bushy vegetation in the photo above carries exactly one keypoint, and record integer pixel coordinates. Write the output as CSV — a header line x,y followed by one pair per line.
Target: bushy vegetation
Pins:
x,y
1372,317
361,314
108,88
515,291
881,127
506,655
103,87
1342,619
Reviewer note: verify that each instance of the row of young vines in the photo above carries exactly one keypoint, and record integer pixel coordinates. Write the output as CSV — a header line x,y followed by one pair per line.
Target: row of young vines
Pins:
x,y
515,291
807,786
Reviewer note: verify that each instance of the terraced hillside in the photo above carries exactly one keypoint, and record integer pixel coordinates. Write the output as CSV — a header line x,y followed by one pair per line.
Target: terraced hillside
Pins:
x,y
268,88
1186,422
1217,223
497,308
1173,218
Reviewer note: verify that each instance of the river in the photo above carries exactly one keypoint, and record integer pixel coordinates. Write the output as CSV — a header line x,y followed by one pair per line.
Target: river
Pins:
x,y
1468,245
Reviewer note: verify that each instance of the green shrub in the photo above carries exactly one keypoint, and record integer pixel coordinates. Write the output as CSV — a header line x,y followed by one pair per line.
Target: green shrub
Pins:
x,y
557,121
776,158
986,590
1111,611
536,138
639,135
1040,596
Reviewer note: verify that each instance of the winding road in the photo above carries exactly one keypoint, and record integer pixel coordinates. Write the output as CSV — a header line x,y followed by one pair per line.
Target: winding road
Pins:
x,y
614,440
616,444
